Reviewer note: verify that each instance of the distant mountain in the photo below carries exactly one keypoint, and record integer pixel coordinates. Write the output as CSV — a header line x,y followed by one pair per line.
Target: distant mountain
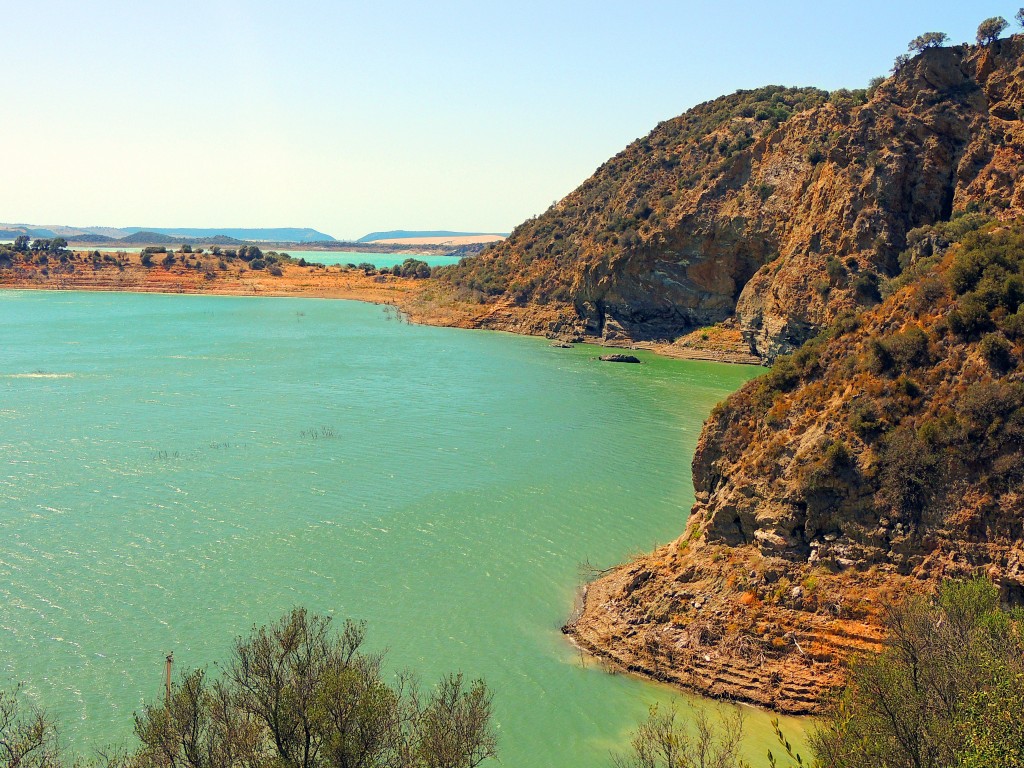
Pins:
x,y
273,234
32,230
148,237
151,237
396,234
89,238
86,234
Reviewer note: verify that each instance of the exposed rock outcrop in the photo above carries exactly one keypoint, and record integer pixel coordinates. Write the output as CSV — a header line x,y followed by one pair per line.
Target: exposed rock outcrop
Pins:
x,y
784,207
879,459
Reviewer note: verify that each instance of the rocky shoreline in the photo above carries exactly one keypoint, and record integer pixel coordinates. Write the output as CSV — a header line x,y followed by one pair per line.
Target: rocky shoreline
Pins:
x,y
672,616
423,301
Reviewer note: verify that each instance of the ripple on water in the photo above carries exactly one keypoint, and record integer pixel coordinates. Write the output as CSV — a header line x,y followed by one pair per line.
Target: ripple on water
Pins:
x,y
214,463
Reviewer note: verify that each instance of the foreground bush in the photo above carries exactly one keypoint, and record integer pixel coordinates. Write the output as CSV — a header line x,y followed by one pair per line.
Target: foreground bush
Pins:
x,y
293,695
948,690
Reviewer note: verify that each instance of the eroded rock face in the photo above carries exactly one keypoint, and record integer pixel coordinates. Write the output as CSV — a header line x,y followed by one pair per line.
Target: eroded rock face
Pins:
x,y
724,211
871,464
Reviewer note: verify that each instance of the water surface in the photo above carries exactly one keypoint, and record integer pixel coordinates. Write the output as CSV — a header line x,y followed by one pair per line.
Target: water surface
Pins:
x,y
178,468
379,260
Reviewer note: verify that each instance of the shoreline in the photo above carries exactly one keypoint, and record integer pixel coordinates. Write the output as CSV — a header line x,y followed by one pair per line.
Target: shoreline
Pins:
x,y
423,301
678,615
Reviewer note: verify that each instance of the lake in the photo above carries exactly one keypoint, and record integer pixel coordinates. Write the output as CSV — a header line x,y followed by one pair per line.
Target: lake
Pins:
x,y
179,468
379,260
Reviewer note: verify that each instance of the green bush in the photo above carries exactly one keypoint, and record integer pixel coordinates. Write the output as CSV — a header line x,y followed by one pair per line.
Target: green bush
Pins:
x,y
909,473
945,691
997,351
291,694
900,352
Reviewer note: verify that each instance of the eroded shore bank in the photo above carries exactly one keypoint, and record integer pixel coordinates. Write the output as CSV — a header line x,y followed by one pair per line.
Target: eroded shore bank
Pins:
x,y
424,301
605,627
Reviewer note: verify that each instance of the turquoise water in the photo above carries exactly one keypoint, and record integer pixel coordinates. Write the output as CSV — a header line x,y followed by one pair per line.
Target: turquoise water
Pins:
x,y
379,260
178,468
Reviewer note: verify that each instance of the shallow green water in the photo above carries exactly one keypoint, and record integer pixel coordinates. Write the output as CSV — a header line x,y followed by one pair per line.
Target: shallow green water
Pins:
x,y
177,468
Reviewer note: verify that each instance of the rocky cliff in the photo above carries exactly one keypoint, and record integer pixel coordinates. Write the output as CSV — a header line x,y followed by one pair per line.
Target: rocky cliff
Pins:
x,y
783,207
883,456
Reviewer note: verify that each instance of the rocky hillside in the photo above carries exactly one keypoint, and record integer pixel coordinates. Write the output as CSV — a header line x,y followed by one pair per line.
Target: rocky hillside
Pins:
x,y
783,207
884,455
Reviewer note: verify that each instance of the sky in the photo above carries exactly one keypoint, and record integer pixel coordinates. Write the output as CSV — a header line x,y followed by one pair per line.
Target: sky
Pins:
x,y
352,117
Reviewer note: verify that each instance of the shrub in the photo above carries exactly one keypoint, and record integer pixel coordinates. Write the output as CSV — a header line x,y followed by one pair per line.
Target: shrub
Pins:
x,y
901,351
257,264
970,318
908,475
295,694
866,287
1013,325
945,691
865,420
835,465
997,352
927,40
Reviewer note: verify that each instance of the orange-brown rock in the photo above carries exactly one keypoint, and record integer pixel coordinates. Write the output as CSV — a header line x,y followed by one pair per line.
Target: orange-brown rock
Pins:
x,y
784,207
881,458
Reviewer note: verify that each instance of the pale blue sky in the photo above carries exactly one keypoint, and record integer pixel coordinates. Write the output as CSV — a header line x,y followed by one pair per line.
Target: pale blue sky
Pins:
x,y
350,117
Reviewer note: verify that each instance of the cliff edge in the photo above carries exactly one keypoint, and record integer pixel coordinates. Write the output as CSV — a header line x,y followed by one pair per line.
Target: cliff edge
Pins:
x,y
780,207
883,456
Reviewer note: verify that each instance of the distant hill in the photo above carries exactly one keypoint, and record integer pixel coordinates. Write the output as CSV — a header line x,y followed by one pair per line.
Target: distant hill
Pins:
x,y
91,238
233,234
273,234
405,234
151,237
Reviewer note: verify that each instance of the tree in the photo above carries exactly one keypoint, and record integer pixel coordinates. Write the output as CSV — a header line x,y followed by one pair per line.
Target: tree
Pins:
x,y
414,268
990,29
927,40
296,695
663,741
945,691
901,61
1019,17
28,738
21,243
873,85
